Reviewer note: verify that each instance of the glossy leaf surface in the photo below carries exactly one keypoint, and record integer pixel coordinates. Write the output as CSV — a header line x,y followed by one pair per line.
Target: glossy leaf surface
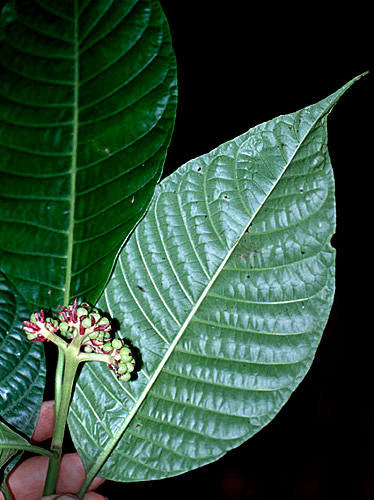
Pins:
x,y
11,443
224,289
87,108
22,364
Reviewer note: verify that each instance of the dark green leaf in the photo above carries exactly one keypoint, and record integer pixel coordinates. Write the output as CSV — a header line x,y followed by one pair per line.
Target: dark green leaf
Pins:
x,y
22,364
11,442
224,288
87,108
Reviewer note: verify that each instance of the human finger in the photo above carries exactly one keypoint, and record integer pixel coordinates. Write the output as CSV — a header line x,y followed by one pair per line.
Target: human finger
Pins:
x,y
44,426
59,497
72,475
88,496
46,422
91,495
26,481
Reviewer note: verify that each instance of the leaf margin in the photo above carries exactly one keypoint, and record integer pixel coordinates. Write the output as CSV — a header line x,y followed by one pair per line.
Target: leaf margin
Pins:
x,y
333,100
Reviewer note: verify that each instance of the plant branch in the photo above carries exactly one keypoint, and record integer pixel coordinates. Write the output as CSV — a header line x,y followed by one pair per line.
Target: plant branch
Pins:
x,y
58,379
105,358
70,369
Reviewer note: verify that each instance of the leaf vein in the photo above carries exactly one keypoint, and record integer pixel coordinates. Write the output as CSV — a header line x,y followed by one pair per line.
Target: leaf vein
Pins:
x,y
139,305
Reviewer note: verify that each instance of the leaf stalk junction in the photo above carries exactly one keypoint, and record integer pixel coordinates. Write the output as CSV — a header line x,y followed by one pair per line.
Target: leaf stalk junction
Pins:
x,y
81,334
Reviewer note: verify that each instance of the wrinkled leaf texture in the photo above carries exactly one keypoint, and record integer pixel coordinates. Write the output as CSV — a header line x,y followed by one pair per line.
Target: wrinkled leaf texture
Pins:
x,y
22,364
22,376
87,108
224,290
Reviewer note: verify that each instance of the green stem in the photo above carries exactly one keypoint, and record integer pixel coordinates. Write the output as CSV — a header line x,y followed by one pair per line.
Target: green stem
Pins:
x,y
58,379
5,491
105,358
71,365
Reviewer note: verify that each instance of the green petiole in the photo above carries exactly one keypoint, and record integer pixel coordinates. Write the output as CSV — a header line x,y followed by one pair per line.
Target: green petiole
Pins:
x,y
70,369
88,339
58,379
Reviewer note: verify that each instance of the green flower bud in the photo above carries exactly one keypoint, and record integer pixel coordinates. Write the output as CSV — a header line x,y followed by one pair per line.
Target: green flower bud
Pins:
x,y
52,322
117,343
107,347
125,352
63,326
130,367
81,311
94,335
103,321
86,323
87,348
31,336
125,377
32,318
122,368
95,316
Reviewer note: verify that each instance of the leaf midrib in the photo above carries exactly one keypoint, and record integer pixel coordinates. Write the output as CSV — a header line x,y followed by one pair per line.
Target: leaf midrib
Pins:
x,y
111,443
70,247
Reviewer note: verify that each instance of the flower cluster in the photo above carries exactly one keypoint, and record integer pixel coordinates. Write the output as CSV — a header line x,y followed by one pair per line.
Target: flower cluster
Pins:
x,y
39,328
84,320
88,329
124,362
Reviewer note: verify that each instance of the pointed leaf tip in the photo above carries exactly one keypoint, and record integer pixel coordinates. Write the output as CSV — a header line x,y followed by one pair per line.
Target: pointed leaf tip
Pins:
x,y
235,259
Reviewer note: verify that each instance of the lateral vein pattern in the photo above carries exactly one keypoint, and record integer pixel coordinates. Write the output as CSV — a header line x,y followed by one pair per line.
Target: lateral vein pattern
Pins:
x,y
224,289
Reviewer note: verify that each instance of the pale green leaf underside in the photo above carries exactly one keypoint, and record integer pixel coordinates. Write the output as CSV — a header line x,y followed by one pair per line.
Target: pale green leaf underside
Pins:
x,y
225,288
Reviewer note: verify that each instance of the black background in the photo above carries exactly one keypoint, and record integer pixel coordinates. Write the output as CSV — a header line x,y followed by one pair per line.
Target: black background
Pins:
x,y
240,64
